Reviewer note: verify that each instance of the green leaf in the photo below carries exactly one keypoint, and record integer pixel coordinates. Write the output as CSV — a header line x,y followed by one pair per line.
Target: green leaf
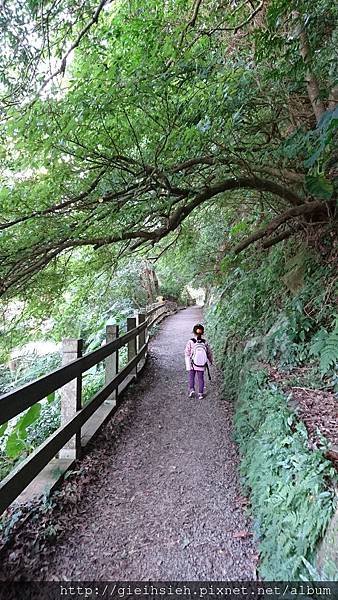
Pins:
x,y
14,445
319,186
31,415
51,397
3,428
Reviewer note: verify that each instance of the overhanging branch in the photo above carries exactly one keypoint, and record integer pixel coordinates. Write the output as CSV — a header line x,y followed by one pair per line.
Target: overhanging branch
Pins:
x,y
302,210
31,260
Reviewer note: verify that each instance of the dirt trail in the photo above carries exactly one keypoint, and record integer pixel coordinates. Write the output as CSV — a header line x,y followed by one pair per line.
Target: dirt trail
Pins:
x,y
167,503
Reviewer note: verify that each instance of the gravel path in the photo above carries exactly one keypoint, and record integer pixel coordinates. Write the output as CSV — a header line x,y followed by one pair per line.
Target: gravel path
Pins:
x,y
165,502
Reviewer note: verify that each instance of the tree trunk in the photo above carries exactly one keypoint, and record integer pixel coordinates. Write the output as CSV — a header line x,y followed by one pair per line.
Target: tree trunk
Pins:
x,y
150,283
313,90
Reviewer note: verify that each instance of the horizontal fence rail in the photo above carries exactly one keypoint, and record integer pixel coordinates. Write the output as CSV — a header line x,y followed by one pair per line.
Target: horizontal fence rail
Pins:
x,y
17,481
14,403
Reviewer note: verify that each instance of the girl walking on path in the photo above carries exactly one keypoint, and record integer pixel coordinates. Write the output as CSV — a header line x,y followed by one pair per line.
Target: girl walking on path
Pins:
x,y
197,355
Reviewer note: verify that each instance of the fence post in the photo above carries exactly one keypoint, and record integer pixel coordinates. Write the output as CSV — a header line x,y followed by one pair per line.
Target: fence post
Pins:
x,y
146,332
132,344
141,338
141,317
71,397
111,362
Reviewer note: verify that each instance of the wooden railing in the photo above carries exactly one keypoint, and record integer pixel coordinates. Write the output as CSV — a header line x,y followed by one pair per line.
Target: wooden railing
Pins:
x,y
14,403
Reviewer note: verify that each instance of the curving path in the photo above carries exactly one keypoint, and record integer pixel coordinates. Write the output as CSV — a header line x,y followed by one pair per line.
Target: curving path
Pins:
x,y
158,497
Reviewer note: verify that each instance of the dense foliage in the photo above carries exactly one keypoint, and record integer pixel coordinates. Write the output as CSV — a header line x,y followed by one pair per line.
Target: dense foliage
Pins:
x,y
150,145
280,313
288,327
290,498
164,108
128,129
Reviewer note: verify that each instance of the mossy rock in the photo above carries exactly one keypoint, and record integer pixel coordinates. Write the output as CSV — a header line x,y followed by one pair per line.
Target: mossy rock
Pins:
x,y
294,277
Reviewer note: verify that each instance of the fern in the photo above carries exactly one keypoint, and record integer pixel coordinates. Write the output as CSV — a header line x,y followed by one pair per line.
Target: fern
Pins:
x,y
318,342
329,354
290,499
325,347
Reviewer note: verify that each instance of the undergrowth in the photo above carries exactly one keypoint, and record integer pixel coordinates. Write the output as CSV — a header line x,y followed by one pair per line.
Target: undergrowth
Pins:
x,y
290,328
279,310
291,498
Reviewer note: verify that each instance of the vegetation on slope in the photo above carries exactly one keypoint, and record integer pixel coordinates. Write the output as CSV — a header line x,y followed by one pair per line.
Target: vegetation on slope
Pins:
x,y
259,328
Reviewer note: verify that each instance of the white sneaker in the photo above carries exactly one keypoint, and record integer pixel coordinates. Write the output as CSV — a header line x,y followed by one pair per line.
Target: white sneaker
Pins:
x,y
192,394
200,396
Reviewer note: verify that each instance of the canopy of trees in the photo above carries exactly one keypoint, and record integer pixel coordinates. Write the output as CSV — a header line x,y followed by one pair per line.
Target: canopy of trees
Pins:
x,y
126,123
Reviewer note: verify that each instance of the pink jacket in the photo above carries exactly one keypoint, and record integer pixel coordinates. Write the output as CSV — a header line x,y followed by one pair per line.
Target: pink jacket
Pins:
x,y
189,349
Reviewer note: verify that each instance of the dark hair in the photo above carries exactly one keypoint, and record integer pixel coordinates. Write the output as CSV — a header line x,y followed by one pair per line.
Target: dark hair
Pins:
x,y
196,327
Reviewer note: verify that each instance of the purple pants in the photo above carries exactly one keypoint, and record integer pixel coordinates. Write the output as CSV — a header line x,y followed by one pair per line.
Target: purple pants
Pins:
x,y
200,377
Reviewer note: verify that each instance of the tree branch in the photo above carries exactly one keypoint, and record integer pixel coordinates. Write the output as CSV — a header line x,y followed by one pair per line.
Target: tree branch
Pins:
x,y
75,44
240,25
56,207
286,174
284,235
194,14
247,21
302,210
33,259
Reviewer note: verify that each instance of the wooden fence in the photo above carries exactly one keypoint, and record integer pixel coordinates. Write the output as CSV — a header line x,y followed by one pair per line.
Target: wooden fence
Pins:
x,y
69,378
